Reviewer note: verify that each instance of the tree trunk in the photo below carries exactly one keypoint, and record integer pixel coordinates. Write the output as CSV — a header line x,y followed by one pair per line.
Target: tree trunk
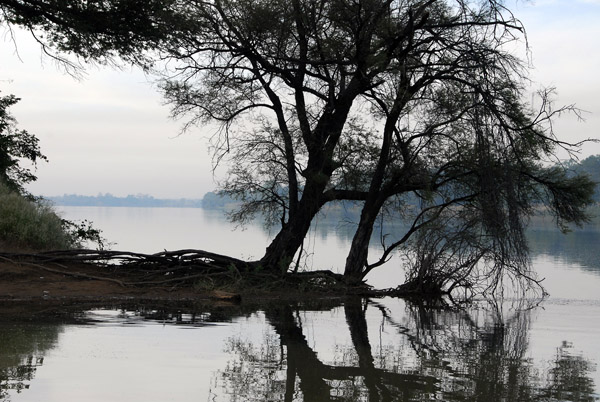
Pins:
x,y
356,261
280,253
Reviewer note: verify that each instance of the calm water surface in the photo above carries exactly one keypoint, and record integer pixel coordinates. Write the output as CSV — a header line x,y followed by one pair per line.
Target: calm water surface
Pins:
x,y
357,350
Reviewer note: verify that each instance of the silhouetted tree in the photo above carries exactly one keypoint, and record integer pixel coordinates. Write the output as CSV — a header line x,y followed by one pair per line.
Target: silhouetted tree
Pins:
x,y
372,101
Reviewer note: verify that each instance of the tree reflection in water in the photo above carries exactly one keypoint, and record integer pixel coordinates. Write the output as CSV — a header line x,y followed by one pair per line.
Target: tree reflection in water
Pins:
x,y
23,346
567,380
409,352
435,354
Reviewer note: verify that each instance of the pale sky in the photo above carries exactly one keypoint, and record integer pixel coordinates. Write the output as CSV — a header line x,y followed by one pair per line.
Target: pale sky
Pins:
x,y
110,132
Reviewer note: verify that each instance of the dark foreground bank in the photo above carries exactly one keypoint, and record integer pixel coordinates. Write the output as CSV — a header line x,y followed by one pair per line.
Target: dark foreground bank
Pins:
x,y
33,277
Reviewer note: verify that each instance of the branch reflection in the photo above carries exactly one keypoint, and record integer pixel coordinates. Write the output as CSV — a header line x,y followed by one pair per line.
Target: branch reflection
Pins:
x,y
425,353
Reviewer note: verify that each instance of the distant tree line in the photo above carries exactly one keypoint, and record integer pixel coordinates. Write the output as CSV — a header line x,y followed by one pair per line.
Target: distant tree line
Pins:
x,y
109,200
346,210
591,167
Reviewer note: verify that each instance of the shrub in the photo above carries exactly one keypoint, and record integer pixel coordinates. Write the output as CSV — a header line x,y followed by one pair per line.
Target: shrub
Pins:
x,y
32,224
28,224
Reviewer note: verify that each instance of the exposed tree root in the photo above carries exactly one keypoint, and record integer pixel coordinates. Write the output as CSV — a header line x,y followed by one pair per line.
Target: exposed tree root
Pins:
x,y
64,271
201,270
182,268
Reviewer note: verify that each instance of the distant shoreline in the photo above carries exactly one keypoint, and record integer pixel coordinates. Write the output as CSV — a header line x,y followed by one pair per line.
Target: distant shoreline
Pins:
x,y
139,201
213,201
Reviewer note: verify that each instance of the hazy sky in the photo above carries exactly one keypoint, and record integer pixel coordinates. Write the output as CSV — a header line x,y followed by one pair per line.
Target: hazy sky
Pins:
x,y
110,132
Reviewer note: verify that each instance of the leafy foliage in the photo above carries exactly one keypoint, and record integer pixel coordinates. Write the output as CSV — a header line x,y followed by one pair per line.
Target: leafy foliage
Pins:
x,y
16,145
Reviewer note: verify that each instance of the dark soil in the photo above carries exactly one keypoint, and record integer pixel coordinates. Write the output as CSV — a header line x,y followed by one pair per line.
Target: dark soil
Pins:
x,y
24,281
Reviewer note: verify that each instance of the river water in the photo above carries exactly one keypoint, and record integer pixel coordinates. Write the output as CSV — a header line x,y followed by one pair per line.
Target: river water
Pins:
x,y
355,350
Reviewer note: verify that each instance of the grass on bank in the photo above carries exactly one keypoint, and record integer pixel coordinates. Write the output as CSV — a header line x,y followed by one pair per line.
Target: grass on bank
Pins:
x,y
28,224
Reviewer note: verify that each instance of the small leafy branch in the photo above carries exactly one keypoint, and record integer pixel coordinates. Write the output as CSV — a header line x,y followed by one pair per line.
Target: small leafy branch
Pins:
x,y
82,232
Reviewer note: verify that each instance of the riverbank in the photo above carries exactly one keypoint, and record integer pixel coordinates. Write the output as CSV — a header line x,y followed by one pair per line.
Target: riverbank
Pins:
x,y
24,279
30,281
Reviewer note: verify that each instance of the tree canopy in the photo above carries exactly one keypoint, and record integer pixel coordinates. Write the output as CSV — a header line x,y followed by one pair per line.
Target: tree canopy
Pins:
x,y
96,30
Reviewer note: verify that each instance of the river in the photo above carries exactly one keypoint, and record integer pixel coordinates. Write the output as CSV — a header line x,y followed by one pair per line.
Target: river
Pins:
x,y
357,350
